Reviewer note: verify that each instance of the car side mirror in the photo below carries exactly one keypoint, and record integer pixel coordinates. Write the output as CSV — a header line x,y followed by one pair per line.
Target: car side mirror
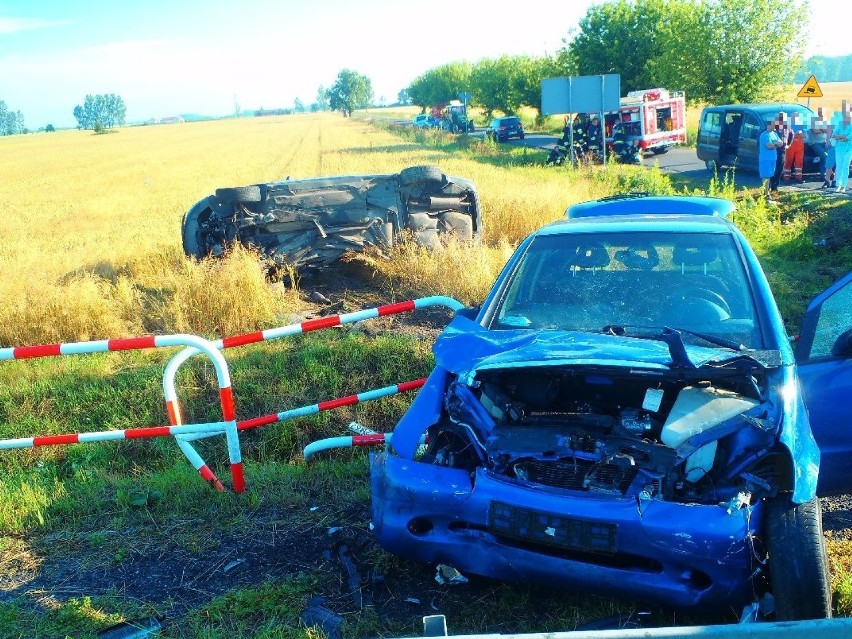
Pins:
x,y
843,345
469,312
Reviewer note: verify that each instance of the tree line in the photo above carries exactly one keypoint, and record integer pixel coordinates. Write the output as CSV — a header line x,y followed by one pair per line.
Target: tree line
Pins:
x,y
716,51
100,111
11,122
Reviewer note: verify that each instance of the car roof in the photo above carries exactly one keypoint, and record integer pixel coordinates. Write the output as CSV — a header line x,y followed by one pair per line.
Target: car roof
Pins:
x,y
761,107
634,212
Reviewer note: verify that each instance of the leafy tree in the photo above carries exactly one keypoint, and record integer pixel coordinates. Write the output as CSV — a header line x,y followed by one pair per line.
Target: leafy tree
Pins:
x,y
49,128
733,50
298,106
350,91
441,84
322,100
715,50
402,98
11,122
106,110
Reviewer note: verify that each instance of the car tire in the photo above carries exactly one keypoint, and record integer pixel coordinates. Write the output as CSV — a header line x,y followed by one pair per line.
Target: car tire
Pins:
x,y
190,228
660,150
521,136
711,166
251,193
415,175
458,224
798,563
422,222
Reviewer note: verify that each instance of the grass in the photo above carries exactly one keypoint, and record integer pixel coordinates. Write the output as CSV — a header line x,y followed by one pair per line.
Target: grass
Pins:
x,y
92,250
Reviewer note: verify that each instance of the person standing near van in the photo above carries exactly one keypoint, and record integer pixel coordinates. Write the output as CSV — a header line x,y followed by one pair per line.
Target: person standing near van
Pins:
x,y
785,135
842,136
794,158
767,157
817,141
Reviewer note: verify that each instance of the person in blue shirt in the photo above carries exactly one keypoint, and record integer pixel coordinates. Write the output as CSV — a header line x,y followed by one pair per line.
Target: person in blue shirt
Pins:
x,y
767,158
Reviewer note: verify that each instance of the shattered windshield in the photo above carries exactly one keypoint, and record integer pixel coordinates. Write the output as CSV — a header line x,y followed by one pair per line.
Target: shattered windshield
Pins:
x,y
591,281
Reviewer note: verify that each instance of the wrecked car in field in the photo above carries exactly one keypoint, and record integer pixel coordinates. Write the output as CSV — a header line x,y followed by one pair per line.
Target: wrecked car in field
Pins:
x,y
624,415
314,221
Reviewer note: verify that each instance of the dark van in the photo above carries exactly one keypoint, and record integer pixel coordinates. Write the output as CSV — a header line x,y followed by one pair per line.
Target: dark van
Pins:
x,y
727,135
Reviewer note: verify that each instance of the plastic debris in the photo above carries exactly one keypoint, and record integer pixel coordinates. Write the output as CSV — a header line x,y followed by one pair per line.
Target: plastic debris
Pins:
x,y
139,629
317,615
413,600
233,564
449,576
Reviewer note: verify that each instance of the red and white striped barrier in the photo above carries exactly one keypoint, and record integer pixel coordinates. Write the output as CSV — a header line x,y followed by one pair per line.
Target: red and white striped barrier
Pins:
x,y
226,397
170,392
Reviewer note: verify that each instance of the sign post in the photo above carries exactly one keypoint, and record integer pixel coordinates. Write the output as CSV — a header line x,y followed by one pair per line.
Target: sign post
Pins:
x,y
810,89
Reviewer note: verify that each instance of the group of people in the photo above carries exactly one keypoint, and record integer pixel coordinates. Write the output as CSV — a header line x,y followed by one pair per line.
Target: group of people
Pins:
x,y
587,136
782,149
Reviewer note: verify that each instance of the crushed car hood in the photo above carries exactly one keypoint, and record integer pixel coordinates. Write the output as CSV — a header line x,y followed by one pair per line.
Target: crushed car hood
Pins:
x,y
465,347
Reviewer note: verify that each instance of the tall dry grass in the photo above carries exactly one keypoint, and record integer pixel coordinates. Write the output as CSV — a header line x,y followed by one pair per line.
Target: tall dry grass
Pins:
x,y
91,227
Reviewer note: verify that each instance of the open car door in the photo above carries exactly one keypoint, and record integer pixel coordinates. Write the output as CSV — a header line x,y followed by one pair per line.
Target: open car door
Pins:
x,y
824,361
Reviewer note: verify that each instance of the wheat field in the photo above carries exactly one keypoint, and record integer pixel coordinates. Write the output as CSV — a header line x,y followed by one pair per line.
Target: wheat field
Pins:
x,y
91,233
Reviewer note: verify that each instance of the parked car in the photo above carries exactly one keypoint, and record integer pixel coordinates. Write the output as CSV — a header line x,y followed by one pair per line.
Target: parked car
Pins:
x,y
310,222
425,121
624,415
501,129
728,135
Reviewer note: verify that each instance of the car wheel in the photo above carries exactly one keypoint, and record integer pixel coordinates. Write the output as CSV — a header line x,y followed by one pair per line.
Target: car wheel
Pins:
x,y
240,194
711,166
422,222
191,229
521,136
458,224
414,175
798,564
659,150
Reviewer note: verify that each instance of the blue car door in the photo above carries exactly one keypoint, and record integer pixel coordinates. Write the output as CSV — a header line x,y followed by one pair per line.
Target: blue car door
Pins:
x,y
824,362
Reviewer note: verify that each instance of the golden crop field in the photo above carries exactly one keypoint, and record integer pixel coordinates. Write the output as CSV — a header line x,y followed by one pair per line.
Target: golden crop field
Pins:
x,y
91,231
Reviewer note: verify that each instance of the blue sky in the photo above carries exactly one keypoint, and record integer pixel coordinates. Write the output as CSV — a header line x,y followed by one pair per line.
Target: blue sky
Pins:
x,y
204,56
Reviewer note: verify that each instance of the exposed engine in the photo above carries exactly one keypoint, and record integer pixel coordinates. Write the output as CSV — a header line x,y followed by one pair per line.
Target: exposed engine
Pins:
x,y
647,437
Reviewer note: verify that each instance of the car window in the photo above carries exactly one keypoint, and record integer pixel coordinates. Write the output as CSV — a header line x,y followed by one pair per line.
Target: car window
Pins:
x,y
711,122
752,128
587,281
834,319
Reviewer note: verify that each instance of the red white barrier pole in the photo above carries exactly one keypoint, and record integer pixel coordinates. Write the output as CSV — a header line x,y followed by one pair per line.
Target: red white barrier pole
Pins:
x,y
226,397
170,392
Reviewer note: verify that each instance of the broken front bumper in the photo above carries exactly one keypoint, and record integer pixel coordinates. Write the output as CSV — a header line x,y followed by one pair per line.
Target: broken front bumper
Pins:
x,y
680,555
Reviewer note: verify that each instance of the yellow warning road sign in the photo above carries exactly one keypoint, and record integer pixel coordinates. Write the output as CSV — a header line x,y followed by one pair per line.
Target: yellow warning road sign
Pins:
x,y
810,89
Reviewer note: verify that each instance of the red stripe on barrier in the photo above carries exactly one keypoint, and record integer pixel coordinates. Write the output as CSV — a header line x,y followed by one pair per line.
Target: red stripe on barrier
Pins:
x,y
131,343
172,412
45,350
322,322
241,340
257,421
208,476
399,307
51,440
368,440
141,433
407,386
238,477
337,403
229,413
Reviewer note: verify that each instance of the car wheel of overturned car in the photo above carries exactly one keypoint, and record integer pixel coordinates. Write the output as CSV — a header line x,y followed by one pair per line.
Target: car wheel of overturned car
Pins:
x,y
422,222
710,165
421,175
427,238
190,227
251,193
458,224
798,564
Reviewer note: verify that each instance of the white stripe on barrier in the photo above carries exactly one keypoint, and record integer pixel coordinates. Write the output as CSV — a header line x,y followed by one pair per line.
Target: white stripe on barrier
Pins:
x,y
80,348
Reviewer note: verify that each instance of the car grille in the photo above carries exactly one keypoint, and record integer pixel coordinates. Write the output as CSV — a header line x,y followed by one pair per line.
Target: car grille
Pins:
x,y
546,529
577,475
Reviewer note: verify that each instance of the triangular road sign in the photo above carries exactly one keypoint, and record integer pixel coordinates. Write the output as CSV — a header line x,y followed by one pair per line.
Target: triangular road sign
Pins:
x,y
810,89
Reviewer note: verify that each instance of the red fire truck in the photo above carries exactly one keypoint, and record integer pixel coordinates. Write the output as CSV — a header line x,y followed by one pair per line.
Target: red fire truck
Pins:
x,y
655,119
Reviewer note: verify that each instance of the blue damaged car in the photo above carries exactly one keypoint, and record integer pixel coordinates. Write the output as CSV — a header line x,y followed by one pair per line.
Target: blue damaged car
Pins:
x,y
624,414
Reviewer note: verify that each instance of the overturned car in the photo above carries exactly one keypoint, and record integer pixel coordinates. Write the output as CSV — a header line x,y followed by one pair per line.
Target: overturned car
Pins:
x,y
624,415
311,222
